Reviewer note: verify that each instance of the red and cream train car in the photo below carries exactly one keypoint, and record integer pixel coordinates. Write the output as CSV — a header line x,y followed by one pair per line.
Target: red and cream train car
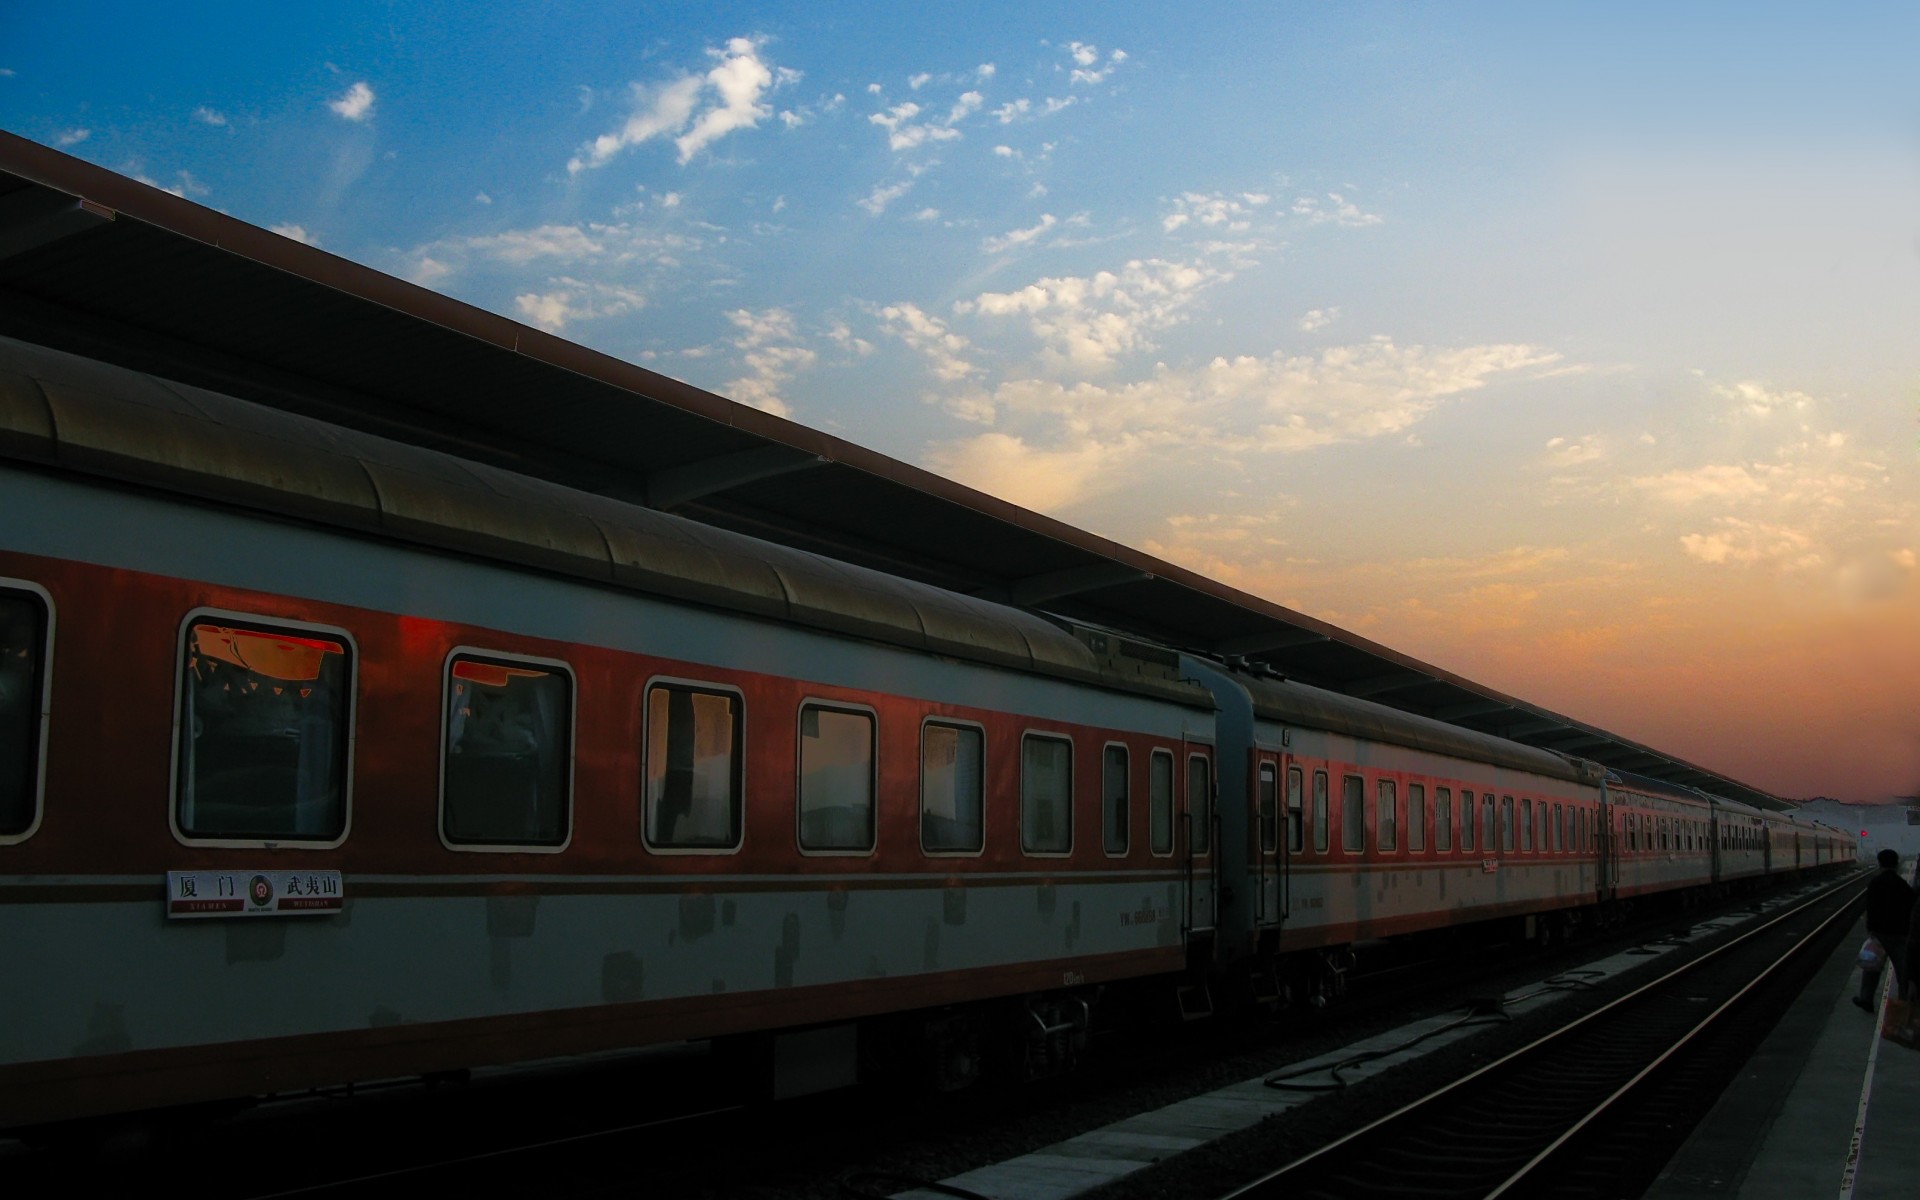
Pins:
x,y
324,757
332,758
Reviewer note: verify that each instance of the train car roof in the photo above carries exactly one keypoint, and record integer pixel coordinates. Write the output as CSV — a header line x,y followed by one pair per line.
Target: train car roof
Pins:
x,y
114,269
80,416
1293,703
1648,785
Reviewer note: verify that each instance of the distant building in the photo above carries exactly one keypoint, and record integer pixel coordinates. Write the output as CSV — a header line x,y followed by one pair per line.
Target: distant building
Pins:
x,y
1895,823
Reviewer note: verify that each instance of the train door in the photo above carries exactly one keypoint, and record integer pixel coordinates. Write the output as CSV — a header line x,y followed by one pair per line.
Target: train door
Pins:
x,y
1269,853
1609,847
1203,825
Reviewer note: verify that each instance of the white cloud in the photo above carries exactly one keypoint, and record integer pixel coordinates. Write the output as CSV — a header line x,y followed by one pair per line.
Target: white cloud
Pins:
x,y
1007,467
1563,452
71,137
296,232
184,184
984,71
356,104
1012,111
1319,318
603,245
1084,59
564,242
1232,214
844,337
731,92
1745,543
1092,436
1759,400
1712,482
548,311
877,200
1018,237
931,337
916,82
904,132
209,116
426,270
482,198
1085,322
771,346
927,214
1338,210
576,300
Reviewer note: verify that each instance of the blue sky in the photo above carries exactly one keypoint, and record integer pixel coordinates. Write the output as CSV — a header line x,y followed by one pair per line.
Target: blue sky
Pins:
x,y
1570,350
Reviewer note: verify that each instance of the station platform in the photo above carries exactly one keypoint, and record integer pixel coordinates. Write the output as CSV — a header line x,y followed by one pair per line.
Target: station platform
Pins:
x,y
1826,1107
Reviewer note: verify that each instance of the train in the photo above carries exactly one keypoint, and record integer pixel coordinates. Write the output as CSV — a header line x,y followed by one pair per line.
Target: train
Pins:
x,y
328,758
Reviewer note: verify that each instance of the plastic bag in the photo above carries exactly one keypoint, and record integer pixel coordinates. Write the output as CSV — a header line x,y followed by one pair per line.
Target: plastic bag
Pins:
x,y
1900,1024
1873,955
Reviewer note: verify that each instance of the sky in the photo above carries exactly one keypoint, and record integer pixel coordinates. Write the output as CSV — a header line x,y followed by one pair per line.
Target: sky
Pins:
x,y
1569,350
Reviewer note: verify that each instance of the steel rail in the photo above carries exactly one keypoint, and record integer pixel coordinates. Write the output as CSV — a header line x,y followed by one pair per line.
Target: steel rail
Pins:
x,y
1266,1184
1558,1144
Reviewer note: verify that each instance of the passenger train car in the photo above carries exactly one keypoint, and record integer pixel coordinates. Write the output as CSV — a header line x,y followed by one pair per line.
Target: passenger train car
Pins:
x,y
326,758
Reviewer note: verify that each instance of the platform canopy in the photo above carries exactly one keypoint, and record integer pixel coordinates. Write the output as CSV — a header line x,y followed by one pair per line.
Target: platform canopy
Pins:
x,y
97,264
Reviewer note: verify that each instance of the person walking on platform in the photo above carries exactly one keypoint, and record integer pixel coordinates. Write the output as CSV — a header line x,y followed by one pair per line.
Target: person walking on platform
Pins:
x,y
1890,905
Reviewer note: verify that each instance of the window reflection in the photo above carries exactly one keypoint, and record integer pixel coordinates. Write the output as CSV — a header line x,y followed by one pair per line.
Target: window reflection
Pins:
x,y
22,646
1046,795
951,789
693,768
508,742
263,734
836,779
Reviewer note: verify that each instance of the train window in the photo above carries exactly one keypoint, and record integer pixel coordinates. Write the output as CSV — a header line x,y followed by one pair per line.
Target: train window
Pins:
x,y
1296,839
26,626
1160,801
1416,816
1468,819
506,757
1200,801
1387,802
1269,808
1353,813
1322,828
1490,823
952,791
836,779
693,775
1443,818
1526,824
1114,798
264,747
1559,827
1046,794
1506,822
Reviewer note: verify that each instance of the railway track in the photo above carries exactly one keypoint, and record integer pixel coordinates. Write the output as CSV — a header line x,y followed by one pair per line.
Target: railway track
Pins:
x,y
1594,1108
